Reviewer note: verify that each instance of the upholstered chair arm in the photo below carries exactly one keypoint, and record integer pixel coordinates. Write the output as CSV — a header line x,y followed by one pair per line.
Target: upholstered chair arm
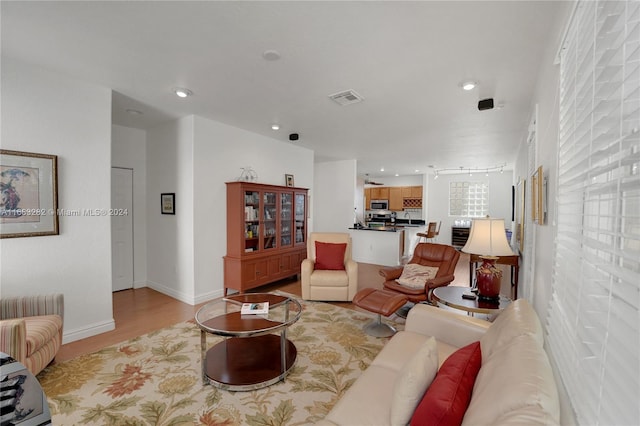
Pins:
x,y
439,281
31,306
13,339
391,273
448,327
351,267
306,268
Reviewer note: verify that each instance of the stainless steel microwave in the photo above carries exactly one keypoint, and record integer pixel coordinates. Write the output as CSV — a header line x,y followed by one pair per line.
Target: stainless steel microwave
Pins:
x,y
379,205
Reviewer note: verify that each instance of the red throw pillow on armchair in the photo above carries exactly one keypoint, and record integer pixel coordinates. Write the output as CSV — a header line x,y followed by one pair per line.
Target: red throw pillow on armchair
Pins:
x,y
447,398
330,256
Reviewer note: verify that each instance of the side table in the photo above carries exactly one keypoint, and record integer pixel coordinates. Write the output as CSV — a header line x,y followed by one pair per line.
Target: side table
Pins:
x,y
452,296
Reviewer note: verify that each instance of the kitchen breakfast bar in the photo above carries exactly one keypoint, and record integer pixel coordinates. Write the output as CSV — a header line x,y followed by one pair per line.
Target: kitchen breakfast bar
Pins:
x,y
377,245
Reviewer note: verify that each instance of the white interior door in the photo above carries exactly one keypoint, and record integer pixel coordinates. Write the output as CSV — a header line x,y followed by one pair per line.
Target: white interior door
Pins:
x,y
122,228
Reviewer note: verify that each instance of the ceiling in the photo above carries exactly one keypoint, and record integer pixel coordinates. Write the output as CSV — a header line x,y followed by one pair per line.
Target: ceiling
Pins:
x,y
406,59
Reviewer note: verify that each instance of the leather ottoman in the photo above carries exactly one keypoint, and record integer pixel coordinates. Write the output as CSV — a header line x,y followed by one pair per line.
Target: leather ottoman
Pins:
x,y
381,302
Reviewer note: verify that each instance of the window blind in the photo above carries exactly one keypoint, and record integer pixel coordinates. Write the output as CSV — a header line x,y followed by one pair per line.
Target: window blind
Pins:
x,y
594,315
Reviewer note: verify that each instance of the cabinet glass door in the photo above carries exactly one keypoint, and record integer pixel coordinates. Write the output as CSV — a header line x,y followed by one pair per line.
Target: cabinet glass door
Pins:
x,y
286,203
251,221
301,212
269,220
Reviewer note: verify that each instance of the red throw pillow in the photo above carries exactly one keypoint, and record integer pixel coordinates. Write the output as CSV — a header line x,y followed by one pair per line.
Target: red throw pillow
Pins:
x,y
330,256
447,398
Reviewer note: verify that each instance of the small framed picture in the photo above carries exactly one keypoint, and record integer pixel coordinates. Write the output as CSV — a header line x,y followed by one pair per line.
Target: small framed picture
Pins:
x,y
289,180
168,203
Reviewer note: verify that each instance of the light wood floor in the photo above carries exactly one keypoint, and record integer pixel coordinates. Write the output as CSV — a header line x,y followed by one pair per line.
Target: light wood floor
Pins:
x,y
140,311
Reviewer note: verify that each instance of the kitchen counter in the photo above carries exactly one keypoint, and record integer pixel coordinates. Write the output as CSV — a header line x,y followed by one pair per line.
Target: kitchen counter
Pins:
x,y
377,228
377,245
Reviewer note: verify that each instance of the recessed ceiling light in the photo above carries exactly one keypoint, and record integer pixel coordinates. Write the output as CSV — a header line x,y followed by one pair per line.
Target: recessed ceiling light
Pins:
x,y
181,92
468,85
275,127
382,169
397,174
271,55
133,111
416,171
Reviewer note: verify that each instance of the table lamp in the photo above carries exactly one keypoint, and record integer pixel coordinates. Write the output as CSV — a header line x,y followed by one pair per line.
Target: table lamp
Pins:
x,y
488,239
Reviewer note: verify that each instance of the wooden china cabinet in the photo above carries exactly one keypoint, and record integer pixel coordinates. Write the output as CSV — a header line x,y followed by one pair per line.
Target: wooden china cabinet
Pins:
x,y
266,234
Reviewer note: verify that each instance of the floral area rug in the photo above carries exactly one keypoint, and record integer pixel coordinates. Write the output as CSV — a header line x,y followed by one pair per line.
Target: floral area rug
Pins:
x,y
155,379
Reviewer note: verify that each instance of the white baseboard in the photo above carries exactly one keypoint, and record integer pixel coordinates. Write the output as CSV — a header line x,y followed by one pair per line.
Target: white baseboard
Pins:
x,y
139,284
89,331
171,292
208,296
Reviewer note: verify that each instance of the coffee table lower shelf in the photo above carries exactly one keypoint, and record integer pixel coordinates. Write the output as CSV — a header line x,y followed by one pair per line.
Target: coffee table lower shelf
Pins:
x,y
248,363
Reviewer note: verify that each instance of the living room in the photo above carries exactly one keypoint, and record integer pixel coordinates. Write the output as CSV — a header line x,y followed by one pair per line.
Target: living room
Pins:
x,y
52,111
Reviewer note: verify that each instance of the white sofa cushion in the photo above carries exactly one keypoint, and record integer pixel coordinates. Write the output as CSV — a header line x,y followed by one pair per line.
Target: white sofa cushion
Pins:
x,y
367,400
517,319
516,378
405,344
412,382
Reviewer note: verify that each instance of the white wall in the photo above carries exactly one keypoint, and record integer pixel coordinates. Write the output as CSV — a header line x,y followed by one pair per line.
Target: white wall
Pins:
x,y
438,196
170,237
128,150
194,157
49,113
220,153
334,196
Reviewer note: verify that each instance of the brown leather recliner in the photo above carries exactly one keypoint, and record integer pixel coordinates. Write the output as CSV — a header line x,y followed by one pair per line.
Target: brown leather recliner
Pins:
x,y
442,256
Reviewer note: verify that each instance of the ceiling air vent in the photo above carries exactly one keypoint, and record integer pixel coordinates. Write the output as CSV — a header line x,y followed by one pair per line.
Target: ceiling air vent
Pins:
x,y
346,98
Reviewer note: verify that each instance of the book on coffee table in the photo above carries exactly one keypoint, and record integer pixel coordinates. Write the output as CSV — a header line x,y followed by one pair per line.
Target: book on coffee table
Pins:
x,y
254,308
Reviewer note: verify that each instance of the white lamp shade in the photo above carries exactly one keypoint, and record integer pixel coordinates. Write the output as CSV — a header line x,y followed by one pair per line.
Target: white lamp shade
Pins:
x,y
488,238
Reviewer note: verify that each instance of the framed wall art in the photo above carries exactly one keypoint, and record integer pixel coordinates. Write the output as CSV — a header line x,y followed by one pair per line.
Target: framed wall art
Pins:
x,y
28,194
538,202
168,203
288,180
520,213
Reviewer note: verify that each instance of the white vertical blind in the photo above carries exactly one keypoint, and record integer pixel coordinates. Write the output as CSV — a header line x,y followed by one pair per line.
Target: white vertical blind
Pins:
x,y
594,316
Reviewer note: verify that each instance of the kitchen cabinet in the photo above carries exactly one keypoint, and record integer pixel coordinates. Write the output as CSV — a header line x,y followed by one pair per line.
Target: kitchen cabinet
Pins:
x,y
395,198
411,191
380,193
266,234
400,197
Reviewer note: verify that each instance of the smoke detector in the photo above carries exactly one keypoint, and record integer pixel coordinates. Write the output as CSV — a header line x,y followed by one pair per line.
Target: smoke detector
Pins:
x,y
346,97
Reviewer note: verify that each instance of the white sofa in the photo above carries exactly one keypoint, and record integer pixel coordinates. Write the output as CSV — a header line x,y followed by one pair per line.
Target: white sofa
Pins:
x,y
514,385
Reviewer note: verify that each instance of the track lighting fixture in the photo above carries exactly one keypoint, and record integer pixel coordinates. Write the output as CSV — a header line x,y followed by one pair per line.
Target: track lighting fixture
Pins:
x,y
469,170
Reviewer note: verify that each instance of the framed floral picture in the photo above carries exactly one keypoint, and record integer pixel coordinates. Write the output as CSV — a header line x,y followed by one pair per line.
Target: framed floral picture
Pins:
x,y
28,194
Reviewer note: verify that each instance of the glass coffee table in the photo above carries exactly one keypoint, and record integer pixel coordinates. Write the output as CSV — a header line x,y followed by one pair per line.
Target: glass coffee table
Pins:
x,y
251,356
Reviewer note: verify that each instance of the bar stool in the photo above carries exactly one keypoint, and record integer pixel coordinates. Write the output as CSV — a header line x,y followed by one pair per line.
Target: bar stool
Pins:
x,y
431,233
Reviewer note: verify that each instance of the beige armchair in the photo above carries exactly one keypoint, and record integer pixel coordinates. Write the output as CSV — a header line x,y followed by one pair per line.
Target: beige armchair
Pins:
x,y
31,329
327,274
